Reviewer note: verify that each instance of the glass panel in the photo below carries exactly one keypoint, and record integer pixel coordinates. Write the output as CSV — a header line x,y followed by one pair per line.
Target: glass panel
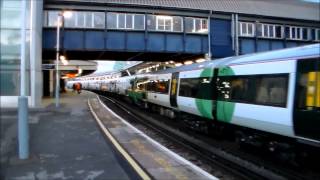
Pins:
x,y
177,24
199,88
244,28
250,29
111,20
162,86
204,24
189,24
129,23
99,20
278,32
168,24
80,19
188,87
259,30
121,21
197,25
271,29
293,33
10,41
298,33
52,18
272,91
287,32
10,18
9,82
139,22
255,89
265,30
305,33
89,19
318,34
71,22
151,22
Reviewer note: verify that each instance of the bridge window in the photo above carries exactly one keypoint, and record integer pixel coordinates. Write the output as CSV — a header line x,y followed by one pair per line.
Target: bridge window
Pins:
x,y
196,25
52,18
164,23
317,34
246,29
125,21
269,31
297,33
79,19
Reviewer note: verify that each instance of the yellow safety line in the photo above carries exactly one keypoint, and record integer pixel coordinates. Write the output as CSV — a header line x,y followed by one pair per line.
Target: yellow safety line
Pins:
x,y
124,153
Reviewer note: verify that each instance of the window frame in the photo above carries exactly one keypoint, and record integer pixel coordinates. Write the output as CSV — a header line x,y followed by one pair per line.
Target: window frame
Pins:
x,y
247,34
273,27
126,27
317,35
202,30
298,31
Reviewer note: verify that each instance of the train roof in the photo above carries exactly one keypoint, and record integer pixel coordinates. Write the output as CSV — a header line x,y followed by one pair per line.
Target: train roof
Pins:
x,y
289,53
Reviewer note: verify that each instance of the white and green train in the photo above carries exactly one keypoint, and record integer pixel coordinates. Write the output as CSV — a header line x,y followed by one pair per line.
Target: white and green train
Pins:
x,y
272,94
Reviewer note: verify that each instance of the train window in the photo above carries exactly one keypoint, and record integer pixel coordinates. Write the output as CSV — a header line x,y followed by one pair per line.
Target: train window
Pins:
x,y
272,90
162,86
159,86
199,88
308,84
254,89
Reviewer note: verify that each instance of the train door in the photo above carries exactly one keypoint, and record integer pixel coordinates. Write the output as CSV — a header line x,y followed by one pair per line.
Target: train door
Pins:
x,y
307,99
174,88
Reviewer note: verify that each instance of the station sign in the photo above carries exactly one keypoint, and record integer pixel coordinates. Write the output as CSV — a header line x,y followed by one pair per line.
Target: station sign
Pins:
x,y
48,66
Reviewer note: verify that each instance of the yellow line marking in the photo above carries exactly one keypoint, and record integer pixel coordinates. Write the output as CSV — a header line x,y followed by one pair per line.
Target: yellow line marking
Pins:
x,y
131,161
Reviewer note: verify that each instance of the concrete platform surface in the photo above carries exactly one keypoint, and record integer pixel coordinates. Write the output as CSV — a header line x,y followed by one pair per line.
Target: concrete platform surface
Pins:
x,y
157,160
65,143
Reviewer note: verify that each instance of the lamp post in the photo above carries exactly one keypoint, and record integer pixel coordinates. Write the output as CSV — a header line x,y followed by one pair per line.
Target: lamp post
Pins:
x,y
23,128
60,19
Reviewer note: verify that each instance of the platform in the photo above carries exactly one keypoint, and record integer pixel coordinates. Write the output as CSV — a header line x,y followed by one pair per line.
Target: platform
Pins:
x,y
65,143
157,160
70,142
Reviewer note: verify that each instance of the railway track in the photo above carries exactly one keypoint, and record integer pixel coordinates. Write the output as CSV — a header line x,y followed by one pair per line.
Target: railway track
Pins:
x,y
212,155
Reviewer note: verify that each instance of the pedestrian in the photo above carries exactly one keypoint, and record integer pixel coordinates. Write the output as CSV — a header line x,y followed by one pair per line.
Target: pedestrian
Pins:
x,y
78,87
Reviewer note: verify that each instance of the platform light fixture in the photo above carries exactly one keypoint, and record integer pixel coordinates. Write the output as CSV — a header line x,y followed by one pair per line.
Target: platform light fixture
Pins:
x,y
200,60
188,62
178,64
64,60
61,16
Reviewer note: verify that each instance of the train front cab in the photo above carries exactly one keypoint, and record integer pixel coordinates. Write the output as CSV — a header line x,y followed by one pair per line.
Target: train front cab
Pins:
x,y
307,100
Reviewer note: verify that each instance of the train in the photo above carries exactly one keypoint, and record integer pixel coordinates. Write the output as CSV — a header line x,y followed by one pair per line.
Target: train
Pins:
x,y
271,97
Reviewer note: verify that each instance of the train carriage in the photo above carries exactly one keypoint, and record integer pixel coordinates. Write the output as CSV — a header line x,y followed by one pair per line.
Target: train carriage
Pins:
x,y
275,93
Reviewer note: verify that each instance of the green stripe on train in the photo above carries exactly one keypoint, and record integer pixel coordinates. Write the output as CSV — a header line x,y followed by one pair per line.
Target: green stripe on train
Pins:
x,y
204,106
136,96
225,109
